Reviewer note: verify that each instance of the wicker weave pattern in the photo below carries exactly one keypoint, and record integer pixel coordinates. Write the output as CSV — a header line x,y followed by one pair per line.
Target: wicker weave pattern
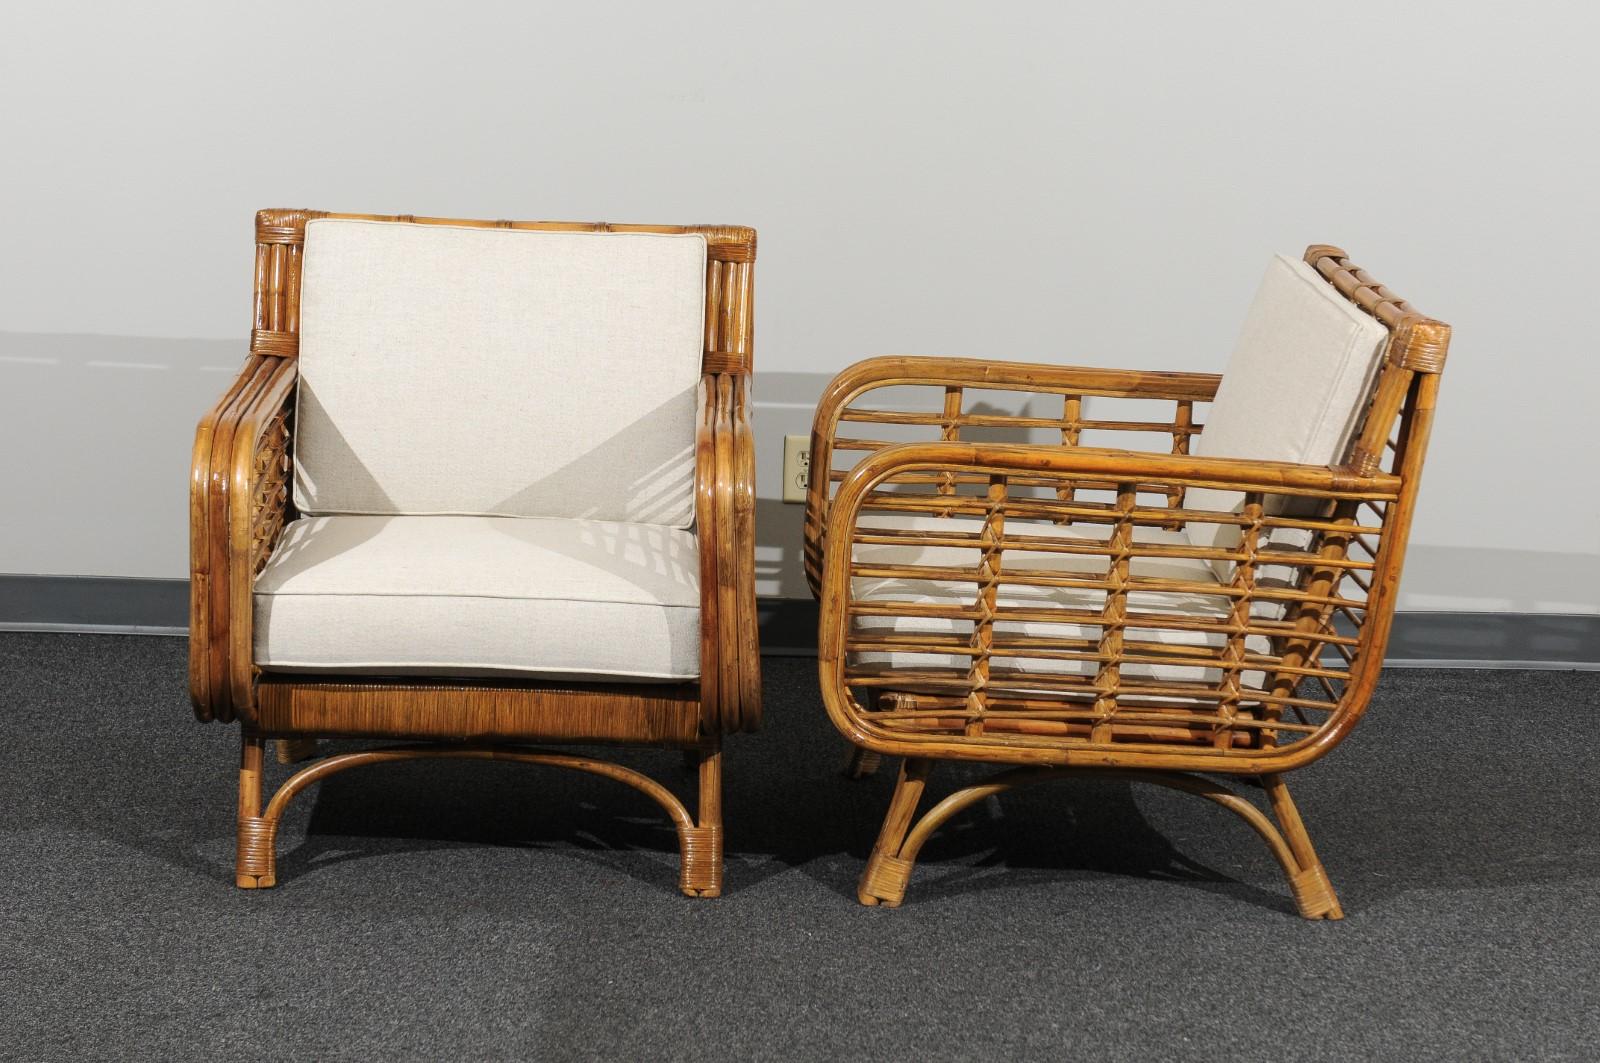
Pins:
x,y
1000,699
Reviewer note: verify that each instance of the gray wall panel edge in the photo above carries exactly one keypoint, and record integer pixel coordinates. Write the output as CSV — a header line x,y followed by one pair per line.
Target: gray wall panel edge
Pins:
x,y
102,604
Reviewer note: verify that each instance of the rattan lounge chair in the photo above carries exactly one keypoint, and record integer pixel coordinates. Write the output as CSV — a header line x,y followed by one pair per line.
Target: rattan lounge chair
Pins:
x,y
1215,609
479,485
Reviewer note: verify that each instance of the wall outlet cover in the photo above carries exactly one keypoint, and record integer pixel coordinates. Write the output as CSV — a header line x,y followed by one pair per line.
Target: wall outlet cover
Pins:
x,y
796,467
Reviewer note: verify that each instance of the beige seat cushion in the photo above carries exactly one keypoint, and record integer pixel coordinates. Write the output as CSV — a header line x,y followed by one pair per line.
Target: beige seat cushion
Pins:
x,y
1295,389
471,596
447,369
1192,602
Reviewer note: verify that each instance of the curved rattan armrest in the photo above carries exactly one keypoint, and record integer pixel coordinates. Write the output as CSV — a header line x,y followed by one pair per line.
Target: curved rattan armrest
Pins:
x,y
1131,473
957,374
892,370
238,503
730,665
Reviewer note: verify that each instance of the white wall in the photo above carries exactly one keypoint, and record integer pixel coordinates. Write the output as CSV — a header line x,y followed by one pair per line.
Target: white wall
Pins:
x,y
1096,184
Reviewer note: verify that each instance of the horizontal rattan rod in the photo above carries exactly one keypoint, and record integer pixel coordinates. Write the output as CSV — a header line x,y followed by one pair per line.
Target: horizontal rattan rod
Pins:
x,y
1089,618
1140,584
1089,715
938,419
1001,681
888,496
1031,705
1083,513
1024,682
1077,701
890,487
1126,467
1074,546
1143,653
916,370
1134,584
1187,734
1018,508
1001,420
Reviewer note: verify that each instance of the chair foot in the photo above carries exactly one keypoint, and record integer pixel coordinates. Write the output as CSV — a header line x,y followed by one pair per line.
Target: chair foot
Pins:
x,y
862,763
257,856
1313,894
702,861
884,880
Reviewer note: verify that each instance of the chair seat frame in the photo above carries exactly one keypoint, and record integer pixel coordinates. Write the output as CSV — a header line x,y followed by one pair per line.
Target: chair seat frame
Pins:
x,y
1326,634
241,499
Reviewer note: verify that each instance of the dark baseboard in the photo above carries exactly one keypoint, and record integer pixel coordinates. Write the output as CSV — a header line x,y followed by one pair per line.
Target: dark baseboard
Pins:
x,y
789,626
94,603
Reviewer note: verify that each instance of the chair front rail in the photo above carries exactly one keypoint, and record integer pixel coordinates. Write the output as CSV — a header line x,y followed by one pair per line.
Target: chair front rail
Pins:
x,y
954,399
1120,664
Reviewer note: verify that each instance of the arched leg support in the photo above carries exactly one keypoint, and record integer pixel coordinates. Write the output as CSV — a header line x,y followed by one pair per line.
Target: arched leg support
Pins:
x,y
699,843
889,869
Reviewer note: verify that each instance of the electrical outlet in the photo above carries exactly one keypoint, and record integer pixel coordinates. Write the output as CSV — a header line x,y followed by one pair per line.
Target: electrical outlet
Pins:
x,y
796,467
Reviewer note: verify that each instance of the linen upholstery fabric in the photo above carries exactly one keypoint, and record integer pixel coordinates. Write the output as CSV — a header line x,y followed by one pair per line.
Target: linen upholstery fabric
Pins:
x,y
468,596
1181,604
1295,389
448,369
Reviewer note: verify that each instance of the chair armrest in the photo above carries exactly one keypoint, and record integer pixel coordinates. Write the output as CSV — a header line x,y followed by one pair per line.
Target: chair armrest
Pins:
x,y
959,375
238,504
1299,629
730,662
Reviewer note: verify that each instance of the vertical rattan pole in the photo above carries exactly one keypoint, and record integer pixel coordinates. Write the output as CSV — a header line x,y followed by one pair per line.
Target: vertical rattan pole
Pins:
x,y
1108,677
702,843
982,643
1071,432
1233,652
1182,423
255,867
1313,891
1310,618
950,432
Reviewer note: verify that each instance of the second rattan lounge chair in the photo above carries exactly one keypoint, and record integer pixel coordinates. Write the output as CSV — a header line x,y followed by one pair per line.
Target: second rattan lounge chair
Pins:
x,y
1082,606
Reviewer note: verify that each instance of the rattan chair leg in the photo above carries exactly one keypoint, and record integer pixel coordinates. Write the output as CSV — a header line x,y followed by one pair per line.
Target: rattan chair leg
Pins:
x,y
862,763
255,864
1313,891
702,843
887,873
294,750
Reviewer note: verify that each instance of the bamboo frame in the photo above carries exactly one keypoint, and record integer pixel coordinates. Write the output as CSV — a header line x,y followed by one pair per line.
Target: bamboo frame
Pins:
x,y
1274,667
240,500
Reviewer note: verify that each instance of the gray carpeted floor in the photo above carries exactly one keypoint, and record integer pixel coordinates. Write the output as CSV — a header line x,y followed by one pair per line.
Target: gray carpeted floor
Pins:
x,y
470,911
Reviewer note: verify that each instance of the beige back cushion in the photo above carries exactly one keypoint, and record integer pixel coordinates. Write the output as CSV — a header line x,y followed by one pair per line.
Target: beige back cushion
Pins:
x,y
448,369
1295,389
